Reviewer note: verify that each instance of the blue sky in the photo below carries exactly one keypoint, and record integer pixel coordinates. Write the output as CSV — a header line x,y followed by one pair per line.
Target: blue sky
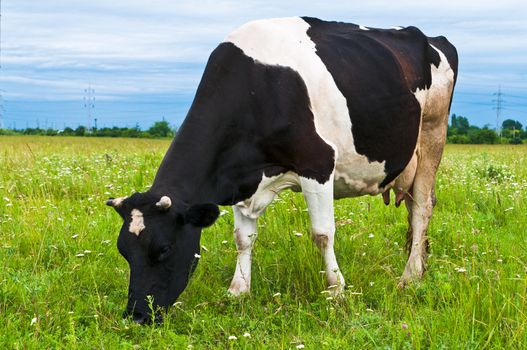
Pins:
x,y
144,58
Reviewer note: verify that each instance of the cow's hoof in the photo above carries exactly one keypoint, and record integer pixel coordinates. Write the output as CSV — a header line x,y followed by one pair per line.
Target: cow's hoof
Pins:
x,y
336,291
238,288
414,270
336,284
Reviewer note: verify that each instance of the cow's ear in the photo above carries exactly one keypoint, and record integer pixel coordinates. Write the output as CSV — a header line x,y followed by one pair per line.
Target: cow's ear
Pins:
x,y
116,203
202,215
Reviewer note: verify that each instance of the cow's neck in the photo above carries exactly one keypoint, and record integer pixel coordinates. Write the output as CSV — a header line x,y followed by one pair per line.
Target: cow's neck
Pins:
x,y
206,162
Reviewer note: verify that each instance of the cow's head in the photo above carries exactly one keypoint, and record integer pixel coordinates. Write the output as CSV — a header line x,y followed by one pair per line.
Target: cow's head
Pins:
x,y
160,240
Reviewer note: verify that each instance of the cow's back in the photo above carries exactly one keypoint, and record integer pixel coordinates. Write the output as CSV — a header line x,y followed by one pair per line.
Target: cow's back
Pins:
x,y
365,89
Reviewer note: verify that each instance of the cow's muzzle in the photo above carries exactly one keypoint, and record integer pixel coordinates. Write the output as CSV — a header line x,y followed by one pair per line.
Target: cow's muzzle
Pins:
x,y
143,317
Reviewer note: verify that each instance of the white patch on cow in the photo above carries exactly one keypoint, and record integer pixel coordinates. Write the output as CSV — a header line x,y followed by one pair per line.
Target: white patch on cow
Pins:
x,y
284,42
420,96
441,76
398,28
267,189
364,28
137,224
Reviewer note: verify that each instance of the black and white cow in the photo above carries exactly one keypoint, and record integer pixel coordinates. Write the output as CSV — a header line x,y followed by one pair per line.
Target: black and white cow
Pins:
x,y
330,109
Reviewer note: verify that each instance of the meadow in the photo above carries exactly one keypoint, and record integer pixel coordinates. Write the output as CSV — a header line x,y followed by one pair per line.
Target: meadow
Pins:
x,y
63,283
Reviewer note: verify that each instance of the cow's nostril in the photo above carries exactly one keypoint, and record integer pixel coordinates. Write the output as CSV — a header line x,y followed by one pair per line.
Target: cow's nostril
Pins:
x,y
140,318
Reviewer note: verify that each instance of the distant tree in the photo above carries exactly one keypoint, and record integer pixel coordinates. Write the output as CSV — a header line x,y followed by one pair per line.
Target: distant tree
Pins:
x,y
511,124
9,132
80,131
484,135
459,125
511,129
31,131
460,139
68,131
462,125
161,129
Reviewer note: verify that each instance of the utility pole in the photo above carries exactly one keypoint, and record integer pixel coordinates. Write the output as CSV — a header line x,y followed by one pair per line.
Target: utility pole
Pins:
x,y
89,105
499,107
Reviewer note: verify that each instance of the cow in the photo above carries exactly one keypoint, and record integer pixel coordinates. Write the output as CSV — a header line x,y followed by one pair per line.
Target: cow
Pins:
x,y
330,109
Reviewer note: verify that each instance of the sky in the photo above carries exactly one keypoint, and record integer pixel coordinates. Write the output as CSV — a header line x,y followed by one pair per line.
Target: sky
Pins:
x,y
144,59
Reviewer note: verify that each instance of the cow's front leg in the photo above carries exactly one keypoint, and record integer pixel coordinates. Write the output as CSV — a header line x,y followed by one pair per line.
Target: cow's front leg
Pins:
x,y
245,233
319,199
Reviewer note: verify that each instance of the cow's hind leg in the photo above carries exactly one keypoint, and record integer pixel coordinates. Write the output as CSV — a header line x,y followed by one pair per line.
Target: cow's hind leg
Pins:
x,y
422,199
419,213
319,199
245,233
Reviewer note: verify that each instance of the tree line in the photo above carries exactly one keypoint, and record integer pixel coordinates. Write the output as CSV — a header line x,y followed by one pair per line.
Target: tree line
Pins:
x,y
160,129
459,131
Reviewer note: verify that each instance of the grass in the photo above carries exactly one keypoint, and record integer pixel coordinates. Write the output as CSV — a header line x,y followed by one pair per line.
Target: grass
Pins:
x,y
63,283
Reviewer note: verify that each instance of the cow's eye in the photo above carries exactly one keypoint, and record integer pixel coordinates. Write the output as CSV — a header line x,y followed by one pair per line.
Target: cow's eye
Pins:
x,y
164,253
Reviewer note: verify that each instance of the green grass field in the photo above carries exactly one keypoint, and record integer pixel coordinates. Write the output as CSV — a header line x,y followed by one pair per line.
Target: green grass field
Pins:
x,y
64,285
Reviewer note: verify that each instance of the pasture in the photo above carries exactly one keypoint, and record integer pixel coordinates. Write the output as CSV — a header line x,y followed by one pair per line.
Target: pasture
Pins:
x,y
63,283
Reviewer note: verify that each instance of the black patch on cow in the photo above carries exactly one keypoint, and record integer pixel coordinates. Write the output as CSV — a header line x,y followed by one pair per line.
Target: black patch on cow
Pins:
x,y
377,71
202,215
247,119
